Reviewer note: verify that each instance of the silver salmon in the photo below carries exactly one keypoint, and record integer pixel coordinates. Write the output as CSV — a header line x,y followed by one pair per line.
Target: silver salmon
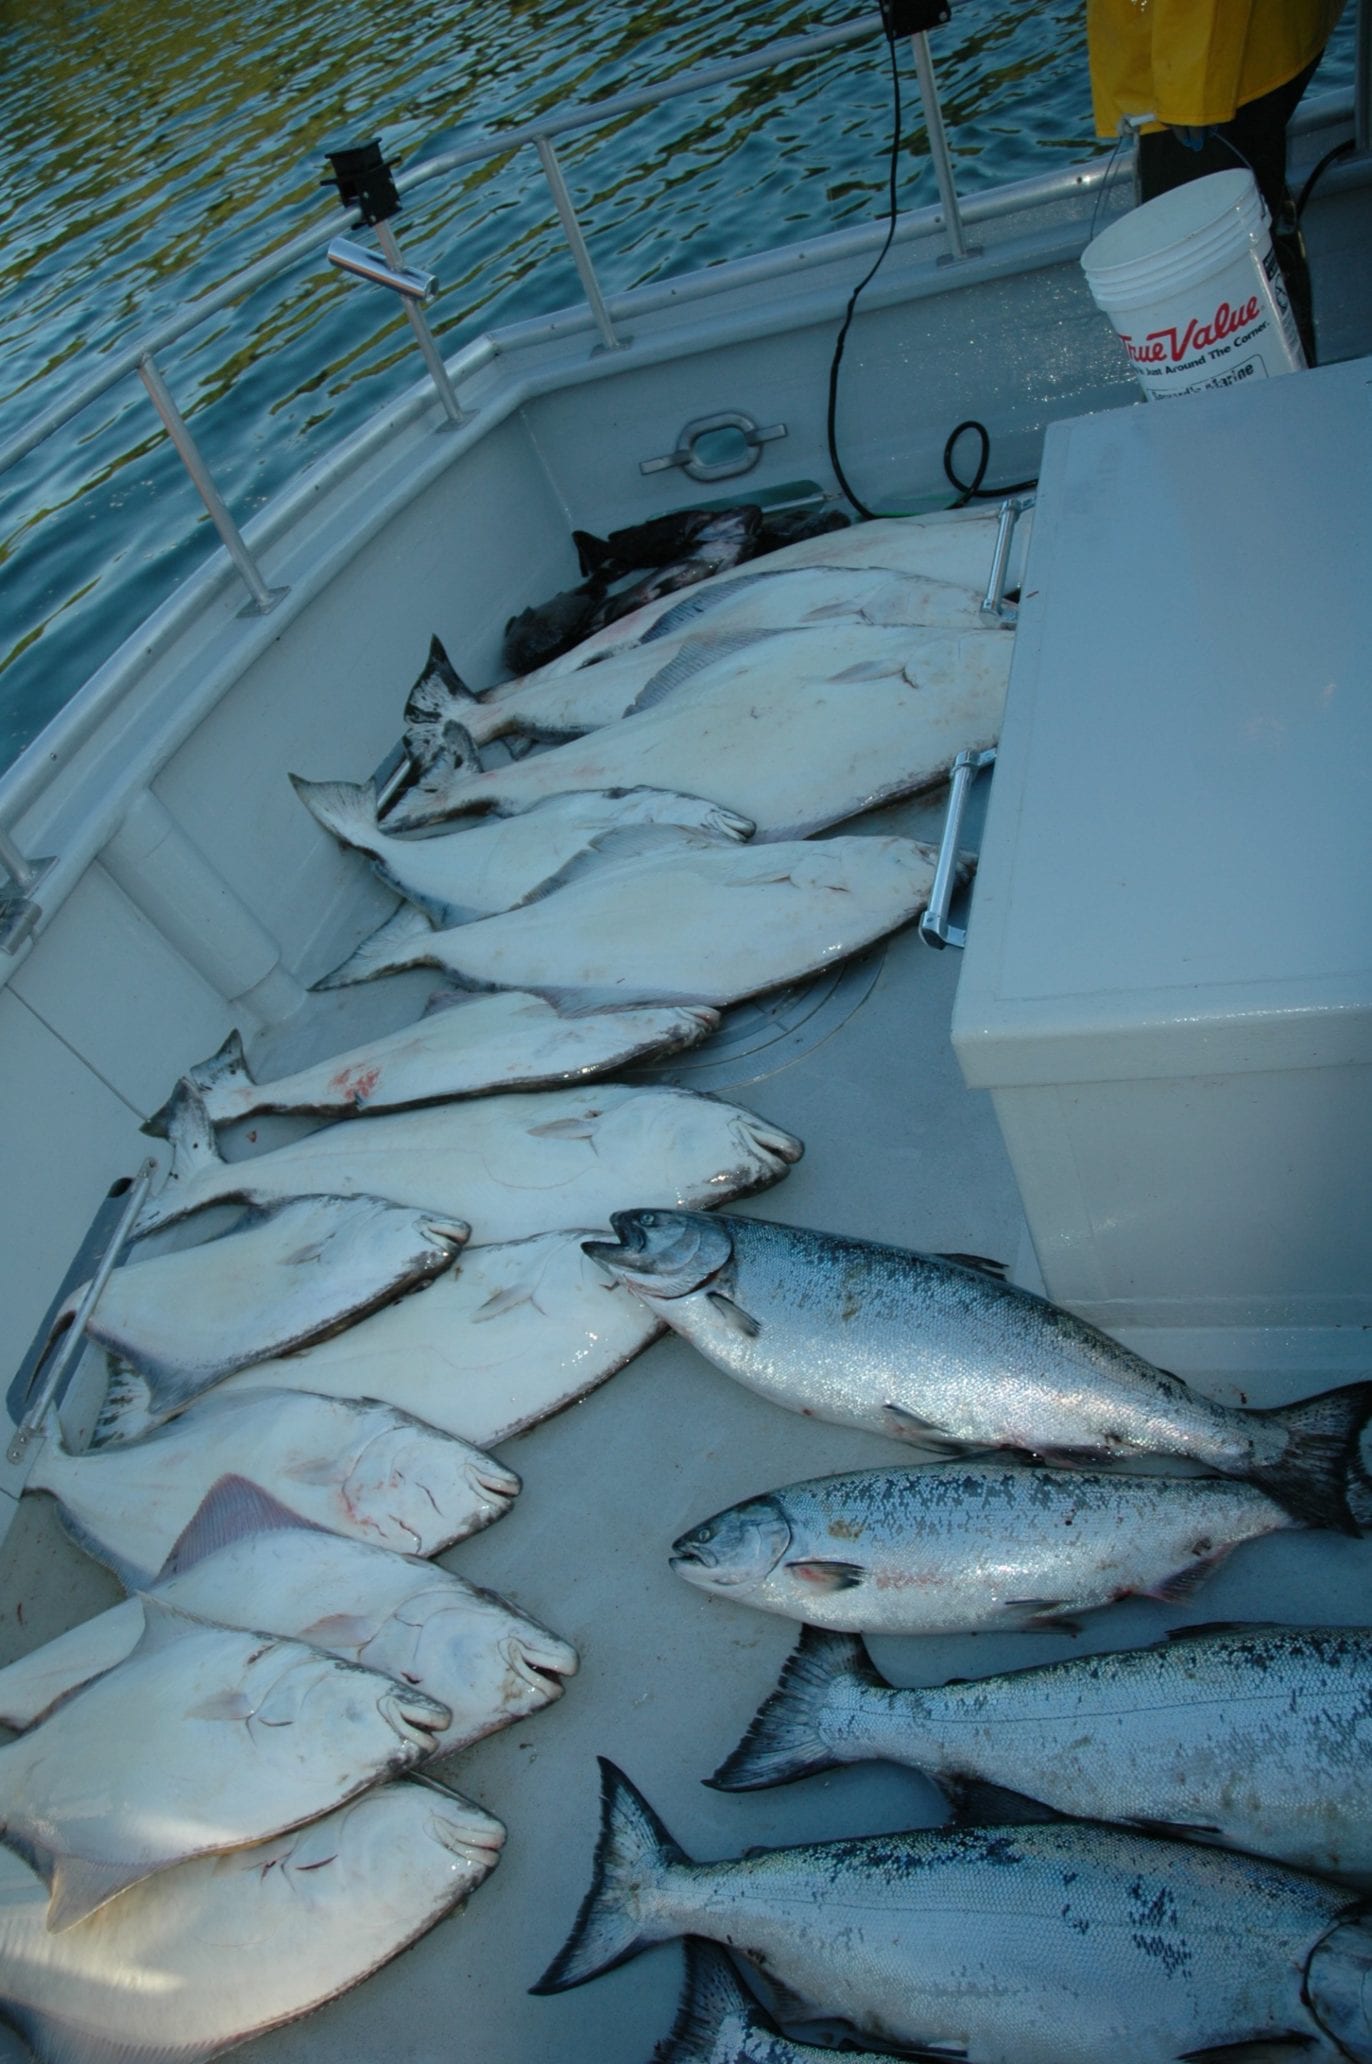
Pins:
x,y
1012,1945
951,1359
949,1550
1258,1738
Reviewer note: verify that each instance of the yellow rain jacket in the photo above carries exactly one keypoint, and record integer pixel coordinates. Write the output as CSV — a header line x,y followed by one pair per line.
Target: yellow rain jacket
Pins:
x,y
1191,63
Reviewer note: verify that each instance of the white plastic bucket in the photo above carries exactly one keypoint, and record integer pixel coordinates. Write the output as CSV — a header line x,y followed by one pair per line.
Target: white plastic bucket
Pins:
x,y
1191,285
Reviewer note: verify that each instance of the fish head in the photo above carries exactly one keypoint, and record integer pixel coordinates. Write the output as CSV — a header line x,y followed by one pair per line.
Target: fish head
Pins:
x,y
663,1254
737,1549
482,1657
408,1486
1338,1983
287,1684
408,1847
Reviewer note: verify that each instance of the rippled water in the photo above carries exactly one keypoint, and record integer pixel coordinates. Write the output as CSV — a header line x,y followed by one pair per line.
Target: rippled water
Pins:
x,y
151,150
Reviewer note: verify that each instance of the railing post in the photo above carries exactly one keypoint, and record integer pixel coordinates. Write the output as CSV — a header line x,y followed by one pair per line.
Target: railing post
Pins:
x,y
581,257
938,144
424,336
264,598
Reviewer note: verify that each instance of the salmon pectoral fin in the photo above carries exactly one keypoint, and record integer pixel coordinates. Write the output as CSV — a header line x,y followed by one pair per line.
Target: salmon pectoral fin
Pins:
x,y
1183,1582
922,1433
733,1315
828,1576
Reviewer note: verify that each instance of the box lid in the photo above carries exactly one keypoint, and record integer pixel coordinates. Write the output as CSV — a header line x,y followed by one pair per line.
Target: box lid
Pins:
x,y
1177,872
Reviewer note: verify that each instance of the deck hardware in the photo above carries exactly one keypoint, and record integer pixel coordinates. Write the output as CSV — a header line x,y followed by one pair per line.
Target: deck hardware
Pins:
x,y
938,145
18,911
363,179
263,597
993,602
356,258
934,927
686,456
73,1340
576,239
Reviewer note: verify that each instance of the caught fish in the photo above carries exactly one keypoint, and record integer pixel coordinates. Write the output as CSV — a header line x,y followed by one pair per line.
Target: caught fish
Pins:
x,y
361,1469
796,731
1259,1738
525,1327
510,860
1011,1945
245,1561
464,1046
712,622
304,1267
204,1738
211,1952
950,1550
690,928
946,544
951,1359
718,2022
519,1163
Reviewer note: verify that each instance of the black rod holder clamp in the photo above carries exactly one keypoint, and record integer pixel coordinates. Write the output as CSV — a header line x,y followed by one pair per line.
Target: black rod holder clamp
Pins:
x,y
364,181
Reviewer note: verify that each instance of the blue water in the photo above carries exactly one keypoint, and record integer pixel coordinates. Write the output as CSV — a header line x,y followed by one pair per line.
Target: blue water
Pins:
x,y
151,150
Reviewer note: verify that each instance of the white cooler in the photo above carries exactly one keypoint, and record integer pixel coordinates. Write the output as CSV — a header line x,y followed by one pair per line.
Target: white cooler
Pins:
x,y
1168,980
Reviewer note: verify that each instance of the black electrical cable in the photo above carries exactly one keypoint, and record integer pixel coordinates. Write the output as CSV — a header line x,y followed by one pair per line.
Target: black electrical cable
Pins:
x,y
973,491
1340,150
837,360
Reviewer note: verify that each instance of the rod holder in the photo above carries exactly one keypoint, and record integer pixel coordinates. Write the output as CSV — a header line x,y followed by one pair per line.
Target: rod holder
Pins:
x,y
371,265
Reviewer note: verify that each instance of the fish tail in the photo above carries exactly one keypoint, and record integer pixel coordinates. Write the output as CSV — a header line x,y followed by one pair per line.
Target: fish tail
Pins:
x,y
346,808
399,943
228,1068
787,1737
439,699
712,2002
632,1855
1320,1463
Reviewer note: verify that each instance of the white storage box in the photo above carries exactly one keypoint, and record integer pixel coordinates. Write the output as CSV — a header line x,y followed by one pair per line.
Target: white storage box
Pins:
x,y
1168,981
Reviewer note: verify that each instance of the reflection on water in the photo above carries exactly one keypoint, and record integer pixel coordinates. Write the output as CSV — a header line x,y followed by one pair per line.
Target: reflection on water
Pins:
x,y
153,150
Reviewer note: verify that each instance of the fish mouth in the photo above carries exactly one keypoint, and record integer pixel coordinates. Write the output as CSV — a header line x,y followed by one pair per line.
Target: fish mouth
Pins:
x,y
500,1485
698,1014
774,1145
543,1668
630,1239
416,1718
450,1234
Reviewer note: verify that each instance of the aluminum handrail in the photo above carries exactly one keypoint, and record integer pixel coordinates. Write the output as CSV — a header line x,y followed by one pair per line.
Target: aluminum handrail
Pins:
x,y
495,143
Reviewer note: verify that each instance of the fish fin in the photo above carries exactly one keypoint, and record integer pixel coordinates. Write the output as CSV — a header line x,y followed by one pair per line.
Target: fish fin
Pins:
x,y
190,1135
347,809
80,1887
229,1064
828,1576
866,670
503,1300
625,842
1183,1582
233,1509
695,655
1265,2049
1043,1613
1201,1630
126,1411
130,1574
338,1631
564,1128
439,699
163,1625
701,601
785,1738
977,1802
632,1855
1153,1825
979,1262
437,794
711,1997
399,943
922,1433
593,554
445,999
734,1316
1311,1478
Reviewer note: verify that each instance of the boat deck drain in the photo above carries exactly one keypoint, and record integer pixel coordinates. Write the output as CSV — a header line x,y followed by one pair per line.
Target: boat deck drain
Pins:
x,y
765,1034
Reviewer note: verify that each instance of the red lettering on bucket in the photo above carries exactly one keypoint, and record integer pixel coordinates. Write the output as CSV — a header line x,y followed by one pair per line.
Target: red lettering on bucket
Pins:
x,y
1173,345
